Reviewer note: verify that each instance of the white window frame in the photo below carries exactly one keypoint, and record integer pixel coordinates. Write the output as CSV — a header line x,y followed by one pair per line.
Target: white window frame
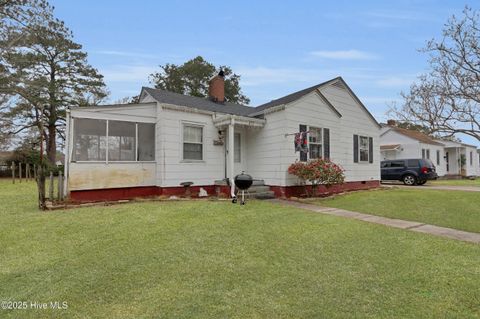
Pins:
x,y
315,143
360,149
192,124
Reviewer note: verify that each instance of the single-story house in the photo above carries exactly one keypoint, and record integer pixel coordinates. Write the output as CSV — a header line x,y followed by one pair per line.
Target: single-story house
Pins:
x,y
150,148
400,143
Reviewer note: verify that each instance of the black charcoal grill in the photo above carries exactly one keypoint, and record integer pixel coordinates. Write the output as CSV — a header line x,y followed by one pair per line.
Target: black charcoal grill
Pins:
x,y
243,182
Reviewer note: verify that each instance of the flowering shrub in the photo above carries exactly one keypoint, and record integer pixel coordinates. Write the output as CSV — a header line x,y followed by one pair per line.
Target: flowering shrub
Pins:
x,y
318,172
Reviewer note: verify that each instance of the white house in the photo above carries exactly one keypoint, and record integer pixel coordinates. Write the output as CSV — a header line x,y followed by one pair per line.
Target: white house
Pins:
x,y
400,143
122,151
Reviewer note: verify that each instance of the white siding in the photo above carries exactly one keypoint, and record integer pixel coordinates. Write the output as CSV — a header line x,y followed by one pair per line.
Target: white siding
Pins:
x,y
354,120
113,175
265,149
472,169
271,152
440,168
173,169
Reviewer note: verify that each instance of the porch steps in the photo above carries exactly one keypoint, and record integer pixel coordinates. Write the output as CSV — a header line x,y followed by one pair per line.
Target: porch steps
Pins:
x,y
259,190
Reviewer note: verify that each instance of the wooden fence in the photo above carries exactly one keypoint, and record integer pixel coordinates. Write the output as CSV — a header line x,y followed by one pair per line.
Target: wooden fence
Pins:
x,y
28,172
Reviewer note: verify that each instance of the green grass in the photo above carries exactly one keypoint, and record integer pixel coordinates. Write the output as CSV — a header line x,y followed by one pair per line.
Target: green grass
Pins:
x,y
454,209
218,260
456,182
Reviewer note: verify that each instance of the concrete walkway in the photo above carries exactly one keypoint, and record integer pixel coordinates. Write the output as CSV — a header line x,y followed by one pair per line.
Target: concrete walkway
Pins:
x,y
436,187
397,223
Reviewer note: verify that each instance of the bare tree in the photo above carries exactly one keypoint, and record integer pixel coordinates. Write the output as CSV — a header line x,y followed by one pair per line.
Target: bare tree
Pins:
x,y
447,99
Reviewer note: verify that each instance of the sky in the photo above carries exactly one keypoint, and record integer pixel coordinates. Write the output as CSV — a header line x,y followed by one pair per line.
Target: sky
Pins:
x,y
277,47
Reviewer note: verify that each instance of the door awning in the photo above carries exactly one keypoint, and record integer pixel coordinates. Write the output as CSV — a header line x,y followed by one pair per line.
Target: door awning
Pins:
x,y
390,147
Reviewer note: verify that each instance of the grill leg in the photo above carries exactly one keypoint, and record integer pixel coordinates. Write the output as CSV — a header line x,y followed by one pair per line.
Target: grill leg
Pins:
x,y
243,198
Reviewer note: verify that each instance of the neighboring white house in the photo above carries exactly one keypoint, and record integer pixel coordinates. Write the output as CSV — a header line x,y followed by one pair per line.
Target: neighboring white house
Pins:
x,y
121,151
400,143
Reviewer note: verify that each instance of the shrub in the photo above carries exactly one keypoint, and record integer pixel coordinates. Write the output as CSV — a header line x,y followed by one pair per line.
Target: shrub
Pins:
x,y
318,172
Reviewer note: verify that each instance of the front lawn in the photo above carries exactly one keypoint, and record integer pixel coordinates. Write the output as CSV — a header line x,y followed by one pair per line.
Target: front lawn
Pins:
x,y
459,210
218,260
456,182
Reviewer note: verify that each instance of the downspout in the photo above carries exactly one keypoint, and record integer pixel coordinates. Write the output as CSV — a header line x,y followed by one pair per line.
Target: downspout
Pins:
x,y
67,152
231,132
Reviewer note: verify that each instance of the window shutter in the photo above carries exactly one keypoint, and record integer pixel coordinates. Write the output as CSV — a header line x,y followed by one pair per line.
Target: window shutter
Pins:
x,y
303,156
326,143
370,149
355,148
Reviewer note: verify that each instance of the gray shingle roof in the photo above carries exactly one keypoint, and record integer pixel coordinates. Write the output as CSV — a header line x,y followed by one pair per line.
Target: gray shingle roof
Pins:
x,y
168,97
293,96
163,96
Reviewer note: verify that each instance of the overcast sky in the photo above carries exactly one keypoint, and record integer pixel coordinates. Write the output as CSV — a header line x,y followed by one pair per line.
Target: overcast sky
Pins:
x,y
277,47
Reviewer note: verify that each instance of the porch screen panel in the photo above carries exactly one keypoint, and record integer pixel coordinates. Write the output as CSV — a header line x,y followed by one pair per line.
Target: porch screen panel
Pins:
x,y
121,141
89,140
146,142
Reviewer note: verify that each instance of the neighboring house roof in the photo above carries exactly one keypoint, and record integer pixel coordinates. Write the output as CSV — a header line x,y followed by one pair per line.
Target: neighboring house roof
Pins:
x,y
389,147
449,143
200,103
416,135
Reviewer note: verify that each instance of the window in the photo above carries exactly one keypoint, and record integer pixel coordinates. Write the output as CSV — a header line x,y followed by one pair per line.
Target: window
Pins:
x,y
385,164
192,142
315,142
237,152
471,158
438,157
146,142
89,140
397,164
423,153
363,148
428,153
413,163
121,141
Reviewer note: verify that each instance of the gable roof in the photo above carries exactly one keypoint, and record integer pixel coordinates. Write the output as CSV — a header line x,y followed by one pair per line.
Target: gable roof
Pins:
x,y
416,135
297,95
293,96
200,103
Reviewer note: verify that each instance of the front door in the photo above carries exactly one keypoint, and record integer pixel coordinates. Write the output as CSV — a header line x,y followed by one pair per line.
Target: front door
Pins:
x,y
239,153
447,162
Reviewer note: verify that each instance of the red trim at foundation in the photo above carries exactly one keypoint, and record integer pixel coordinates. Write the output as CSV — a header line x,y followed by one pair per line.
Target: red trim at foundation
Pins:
x,y
112,194
298,191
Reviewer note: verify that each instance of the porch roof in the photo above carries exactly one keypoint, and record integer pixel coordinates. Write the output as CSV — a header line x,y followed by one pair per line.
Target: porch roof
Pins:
x,y
228,119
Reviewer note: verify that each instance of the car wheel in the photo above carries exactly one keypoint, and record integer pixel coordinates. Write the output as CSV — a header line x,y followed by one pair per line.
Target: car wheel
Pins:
x,y
409,180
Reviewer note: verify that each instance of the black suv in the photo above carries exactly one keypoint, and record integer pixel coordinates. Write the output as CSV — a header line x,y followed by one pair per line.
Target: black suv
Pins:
x,y
409,171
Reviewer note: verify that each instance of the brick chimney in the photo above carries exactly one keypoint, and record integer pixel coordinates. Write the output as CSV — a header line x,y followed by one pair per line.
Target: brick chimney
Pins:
x,y
216,89
392,123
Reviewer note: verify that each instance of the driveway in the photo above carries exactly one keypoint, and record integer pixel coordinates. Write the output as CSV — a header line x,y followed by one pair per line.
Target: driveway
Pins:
x,y
437,187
